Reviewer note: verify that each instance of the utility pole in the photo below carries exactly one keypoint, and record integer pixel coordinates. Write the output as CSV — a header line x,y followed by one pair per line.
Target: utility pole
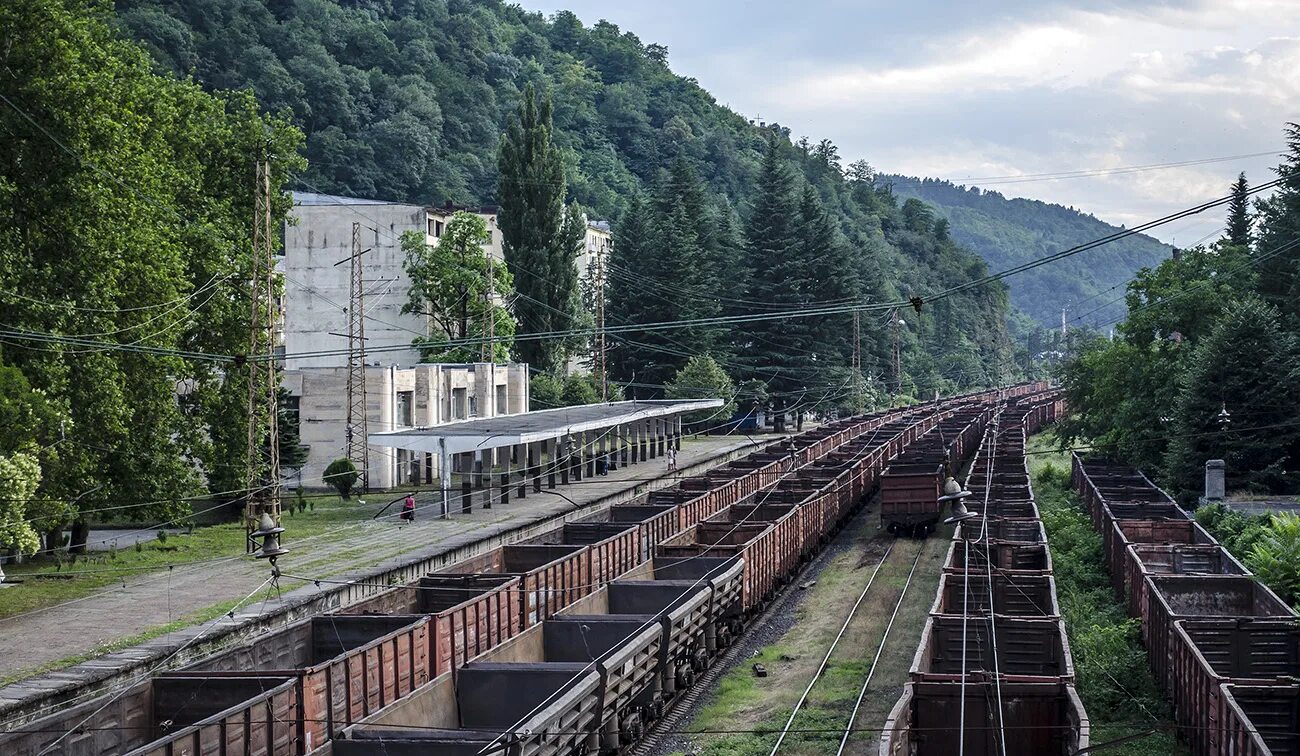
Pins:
x,y
487,352
262,471
357,428
598,346
857,361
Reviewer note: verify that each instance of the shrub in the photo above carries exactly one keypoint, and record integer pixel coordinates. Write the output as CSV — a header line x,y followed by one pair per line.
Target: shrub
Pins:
x,y
342,475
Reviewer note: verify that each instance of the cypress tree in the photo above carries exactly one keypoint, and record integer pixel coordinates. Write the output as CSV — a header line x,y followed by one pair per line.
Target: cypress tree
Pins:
x,y
535,231
1239,213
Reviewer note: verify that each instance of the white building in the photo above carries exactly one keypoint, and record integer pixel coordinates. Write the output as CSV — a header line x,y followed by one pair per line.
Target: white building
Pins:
x,y
397,398
318,246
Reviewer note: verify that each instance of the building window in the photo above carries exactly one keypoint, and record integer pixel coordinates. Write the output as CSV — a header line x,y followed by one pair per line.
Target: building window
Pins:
x,y
437,229
473,406
503,408
490,236
406,409
460,403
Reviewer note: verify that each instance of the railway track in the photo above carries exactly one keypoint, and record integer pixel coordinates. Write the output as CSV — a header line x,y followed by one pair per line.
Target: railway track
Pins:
x,y
594,627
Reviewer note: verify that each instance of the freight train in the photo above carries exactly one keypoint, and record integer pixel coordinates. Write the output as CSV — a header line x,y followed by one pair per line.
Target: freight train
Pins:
x,y
571,642
1224,647
993,674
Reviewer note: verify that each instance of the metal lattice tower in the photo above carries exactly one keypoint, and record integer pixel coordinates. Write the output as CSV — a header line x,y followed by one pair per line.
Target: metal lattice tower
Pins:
x,y
357,429
262,474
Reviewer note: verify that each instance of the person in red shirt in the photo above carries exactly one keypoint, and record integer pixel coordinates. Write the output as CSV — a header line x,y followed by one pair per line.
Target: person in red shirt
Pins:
x,y
408,508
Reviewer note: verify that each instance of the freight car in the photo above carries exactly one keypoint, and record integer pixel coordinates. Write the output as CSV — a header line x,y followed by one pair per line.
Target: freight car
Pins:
x,y
470,608
1223,645
586,680
913,484
249,715
994,633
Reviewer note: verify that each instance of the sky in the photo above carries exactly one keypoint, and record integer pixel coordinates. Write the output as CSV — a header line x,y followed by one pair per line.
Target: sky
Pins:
x,y
1006,91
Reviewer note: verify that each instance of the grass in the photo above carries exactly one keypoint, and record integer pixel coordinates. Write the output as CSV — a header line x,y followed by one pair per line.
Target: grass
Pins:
x,y
1113,678
744,714
62,577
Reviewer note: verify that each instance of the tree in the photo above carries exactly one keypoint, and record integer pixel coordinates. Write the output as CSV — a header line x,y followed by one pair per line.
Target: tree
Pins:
x,y
703,378
459,287
630,264
20,475
1277,257
125,204
769,347
1238,226
537,233
341,475
1246,366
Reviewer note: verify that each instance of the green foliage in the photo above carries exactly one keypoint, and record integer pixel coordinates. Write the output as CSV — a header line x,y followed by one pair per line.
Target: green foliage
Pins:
x,y
1126,392
579,389
1275,558
293,454
407,101
541,238
458,286
703,378
1111,666
1278,227
1238,225
1236,532
1007,232
342,475
20,475
125,204
1245,364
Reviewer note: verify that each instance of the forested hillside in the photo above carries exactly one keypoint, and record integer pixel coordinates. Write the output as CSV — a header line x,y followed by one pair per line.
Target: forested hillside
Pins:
x,y
406,100
1007,232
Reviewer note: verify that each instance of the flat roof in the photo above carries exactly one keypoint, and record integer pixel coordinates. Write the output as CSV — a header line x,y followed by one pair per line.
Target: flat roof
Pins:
x,y
315,198
527,427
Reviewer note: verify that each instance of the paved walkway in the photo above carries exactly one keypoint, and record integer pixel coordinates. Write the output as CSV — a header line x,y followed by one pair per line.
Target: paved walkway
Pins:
x,y
146,602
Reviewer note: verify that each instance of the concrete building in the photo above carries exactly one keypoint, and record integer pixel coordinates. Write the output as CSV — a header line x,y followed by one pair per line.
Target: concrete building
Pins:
x,y
317,244
397,398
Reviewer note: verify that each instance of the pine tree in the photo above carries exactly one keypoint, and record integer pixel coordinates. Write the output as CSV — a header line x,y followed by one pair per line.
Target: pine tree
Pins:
x,y
770,348
830,269
1239,213
533,231
1278,228
1246,366
625,298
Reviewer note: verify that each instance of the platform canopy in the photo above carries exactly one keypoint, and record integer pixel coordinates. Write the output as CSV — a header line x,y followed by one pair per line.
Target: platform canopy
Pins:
x,y
529,427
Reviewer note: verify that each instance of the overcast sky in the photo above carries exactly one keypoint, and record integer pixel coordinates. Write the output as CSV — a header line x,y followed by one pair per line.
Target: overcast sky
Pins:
x,y
979,89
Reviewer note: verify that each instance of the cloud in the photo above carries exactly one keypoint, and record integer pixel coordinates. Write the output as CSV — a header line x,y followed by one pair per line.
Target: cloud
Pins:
x,y
1014,87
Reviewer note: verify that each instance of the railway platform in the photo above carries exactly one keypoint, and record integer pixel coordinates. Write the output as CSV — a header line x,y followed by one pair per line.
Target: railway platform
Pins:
x,y
365,558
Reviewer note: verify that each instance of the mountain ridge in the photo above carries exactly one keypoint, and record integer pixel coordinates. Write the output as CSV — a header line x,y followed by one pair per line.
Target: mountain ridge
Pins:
x,y
1006,231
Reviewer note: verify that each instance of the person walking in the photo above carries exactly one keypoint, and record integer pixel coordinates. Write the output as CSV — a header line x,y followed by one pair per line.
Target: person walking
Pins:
x,y
408,508
672,460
